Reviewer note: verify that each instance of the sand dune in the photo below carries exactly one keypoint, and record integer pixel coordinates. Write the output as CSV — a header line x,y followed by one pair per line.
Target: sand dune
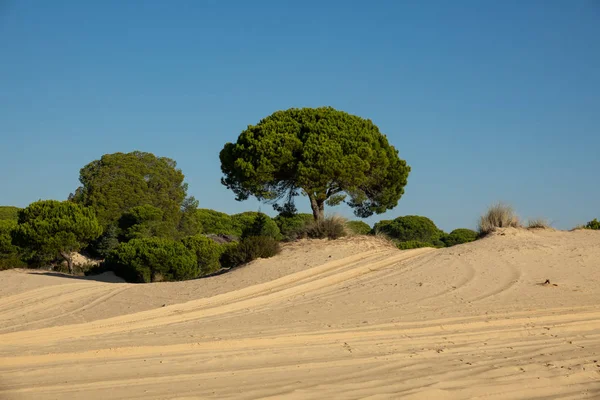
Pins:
x,y
347,319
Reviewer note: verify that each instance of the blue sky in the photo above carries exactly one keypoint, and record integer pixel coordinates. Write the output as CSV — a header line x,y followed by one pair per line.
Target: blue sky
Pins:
x,y
486,100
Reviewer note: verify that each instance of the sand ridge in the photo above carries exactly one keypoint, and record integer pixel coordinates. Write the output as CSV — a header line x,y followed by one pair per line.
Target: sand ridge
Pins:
x,y
345,319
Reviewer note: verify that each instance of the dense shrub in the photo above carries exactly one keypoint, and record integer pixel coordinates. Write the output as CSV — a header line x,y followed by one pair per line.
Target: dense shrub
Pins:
x,y
329,227
118,182
593,224
358,227
293,226
232,255
107,242
215,222
8,213
498,216
188,224
459,236
411,228
48,229
207,253
9,253
252,223
248,249
143,222
153,260
413,244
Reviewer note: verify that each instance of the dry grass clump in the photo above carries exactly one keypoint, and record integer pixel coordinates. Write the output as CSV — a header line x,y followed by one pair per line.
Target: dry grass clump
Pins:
x,y
333,227
538,223
498,216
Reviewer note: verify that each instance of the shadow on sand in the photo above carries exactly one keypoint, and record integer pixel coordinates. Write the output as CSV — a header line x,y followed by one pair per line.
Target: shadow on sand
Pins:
x,y
106,277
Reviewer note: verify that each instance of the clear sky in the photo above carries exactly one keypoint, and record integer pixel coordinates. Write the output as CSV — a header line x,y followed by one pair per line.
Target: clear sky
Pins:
x,y
486,100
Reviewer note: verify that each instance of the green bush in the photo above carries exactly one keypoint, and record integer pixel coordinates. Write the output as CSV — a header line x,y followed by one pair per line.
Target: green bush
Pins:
x,y
593,224
48,229
330,228
248,249
9,213
358,227
459,236
232,255
294,226
12,262
143,222
153,260
411,228
107,242
10,255
207,252
215,222
413,244
252,223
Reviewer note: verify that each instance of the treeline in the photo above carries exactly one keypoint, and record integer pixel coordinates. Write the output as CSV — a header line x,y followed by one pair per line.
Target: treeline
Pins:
x,y
132,210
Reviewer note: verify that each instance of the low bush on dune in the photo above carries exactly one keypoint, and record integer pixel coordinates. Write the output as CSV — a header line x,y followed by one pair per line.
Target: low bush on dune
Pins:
x,y
413,244
293,226
9,253
252,223
153,260
593,224
498,216
358,227
459,236
207,251
248,249
327,228
411,228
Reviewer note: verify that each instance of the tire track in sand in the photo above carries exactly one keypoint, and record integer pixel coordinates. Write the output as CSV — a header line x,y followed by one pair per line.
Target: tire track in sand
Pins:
x,y
301,282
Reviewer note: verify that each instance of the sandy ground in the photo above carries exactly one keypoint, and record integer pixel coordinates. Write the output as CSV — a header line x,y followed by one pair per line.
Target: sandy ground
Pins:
x,y
348,319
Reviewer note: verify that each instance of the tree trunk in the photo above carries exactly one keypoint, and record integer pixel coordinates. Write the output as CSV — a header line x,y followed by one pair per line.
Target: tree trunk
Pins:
x,y
69,260
318,208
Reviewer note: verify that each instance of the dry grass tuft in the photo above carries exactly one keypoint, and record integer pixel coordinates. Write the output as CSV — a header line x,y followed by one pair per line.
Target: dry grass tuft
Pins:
x,y
498,216
333,227
538,223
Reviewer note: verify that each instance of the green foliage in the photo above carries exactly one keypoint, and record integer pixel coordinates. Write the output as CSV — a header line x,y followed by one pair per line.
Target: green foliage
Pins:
x,y
6,246
153,260
252,223
215,222
49,228
411,228
233,255
293,226
593,224
358,227
9,213
413,244
105,243
207,252
143,222
9,253
326,154
459,236
330,228
248,249
189,224
120,181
